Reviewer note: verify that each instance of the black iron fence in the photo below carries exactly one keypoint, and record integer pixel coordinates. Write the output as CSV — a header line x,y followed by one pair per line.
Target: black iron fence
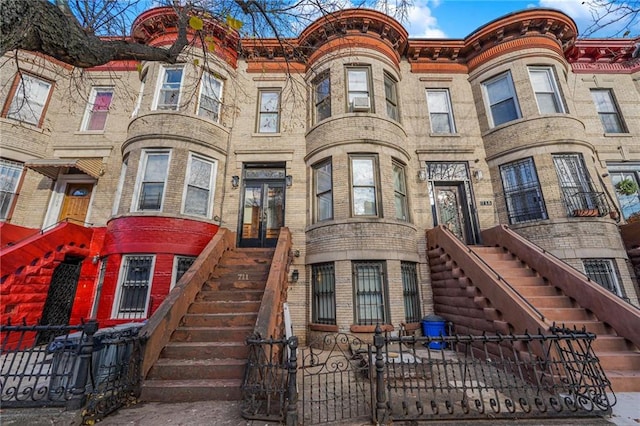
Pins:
x,y
75,367
406,378
587,204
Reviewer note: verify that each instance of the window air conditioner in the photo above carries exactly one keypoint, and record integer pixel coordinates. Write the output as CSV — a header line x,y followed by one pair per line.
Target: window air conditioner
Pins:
x,y
361,103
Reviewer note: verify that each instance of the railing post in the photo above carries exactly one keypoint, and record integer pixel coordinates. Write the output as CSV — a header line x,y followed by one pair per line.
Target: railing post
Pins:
x,y
381,395
85,351
292,391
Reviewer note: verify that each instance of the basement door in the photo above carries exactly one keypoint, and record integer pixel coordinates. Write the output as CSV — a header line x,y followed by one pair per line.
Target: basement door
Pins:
x,y
62,292
262,212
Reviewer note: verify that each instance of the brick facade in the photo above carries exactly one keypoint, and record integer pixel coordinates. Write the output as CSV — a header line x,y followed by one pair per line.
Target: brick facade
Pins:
x,y
515,44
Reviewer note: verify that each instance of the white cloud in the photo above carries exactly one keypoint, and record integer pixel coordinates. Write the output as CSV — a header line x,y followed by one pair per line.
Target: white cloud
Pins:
x,y
421,23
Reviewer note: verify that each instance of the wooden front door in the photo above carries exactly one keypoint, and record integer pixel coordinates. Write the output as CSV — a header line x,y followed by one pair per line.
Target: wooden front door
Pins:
x,y
76,202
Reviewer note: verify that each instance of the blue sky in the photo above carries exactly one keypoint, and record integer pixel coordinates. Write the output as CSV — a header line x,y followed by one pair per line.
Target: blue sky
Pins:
x,y
458,18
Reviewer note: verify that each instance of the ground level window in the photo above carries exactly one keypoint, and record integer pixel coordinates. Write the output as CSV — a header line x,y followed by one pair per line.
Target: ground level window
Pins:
x,y
369,284
324,296
603,272
410,292
181,264
135,283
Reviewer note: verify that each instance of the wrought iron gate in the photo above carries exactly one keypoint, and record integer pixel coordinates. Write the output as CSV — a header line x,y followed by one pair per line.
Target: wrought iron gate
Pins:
x,y
335,380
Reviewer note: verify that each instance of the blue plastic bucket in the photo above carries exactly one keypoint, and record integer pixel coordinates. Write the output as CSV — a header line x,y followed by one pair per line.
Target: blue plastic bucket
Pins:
x,y
434,326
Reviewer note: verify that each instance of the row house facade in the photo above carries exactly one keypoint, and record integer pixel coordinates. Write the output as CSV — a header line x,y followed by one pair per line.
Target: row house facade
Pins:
x,y
353,135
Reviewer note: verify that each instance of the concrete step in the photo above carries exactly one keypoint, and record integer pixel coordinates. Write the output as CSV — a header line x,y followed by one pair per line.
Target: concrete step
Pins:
x,y
229,295
211,334
542,302
624,381
562,315
197,369
206,350
492,253
609,343
525,281
619,360
235,284
592,326
172,391
232,306
538,291
243,319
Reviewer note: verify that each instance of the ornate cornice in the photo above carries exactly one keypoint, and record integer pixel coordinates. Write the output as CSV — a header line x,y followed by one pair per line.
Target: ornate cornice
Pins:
x,y
612,56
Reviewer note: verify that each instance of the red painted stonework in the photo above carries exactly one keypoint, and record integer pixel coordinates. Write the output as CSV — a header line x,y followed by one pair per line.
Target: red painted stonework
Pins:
x,y
11,234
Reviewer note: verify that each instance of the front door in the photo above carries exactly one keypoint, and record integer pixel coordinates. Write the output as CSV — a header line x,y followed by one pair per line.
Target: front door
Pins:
x,y
450,210
262,213
76,202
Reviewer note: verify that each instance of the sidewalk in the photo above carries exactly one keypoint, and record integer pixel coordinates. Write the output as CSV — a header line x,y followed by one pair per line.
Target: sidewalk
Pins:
x,y
222,413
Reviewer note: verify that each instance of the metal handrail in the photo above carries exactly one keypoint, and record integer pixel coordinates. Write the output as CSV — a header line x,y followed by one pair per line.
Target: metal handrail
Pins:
x,y
500,277
542,250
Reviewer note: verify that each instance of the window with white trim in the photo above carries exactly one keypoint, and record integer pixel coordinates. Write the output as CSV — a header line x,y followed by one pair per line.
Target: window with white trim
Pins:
x,y
370,287
364,180
134,286
29,99
324,293
608,111
626,173
181,265
323,181
543,80
359,89
95,115
604,272
169,88
10,173
269,111
391,96
198,191
400,191
154,167
322,97
501,100
440,113
210,97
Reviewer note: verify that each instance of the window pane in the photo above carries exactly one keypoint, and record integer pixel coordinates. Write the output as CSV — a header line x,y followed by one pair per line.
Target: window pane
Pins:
x,y
196,201
410,292
504,111
499,90
522,191
358,81
135,286
437,101
9,177
364,201
602,272
547,103
269,101
156,169
151,196
611,123
324,305
540,81
362,171
603,101
369,293
170,89
200,173
440,123
29,100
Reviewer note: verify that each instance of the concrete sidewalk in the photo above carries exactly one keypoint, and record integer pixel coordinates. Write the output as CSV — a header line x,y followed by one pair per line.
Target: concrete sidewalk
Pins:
x,y
625,413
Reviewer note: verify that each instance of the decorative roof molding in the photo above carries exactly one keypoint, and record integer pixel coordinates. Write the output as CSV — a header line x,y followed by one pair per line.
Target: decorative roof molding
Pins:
x,y
611,56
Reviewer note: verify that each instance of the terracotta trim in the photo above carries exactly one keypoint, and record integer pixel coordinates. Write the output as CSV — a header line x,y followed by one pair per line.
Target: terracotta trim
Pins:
x,y
519,44
324,327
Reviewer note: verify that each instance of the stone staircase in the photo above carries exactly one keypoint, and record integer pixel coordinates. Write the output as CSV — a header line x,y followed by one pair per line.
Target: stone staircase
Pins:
x,y
206,356
619,357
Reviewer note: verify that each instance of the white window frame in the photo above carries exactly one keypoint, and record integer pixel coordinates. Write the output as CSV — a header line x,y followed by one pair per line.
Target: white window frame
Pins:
x,y
23,106
115,311
433,111
174,271
400,194
613,112
352,93
89,110
216,98
317,168
159,88
375,185
211,188
268,114
611,270
512,91
140,178
550,76
10,178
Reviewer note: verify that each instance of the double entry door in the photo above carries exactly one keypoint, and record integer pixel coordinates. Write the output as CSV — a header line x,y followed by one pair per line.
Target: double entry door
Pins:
x,y
262,212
